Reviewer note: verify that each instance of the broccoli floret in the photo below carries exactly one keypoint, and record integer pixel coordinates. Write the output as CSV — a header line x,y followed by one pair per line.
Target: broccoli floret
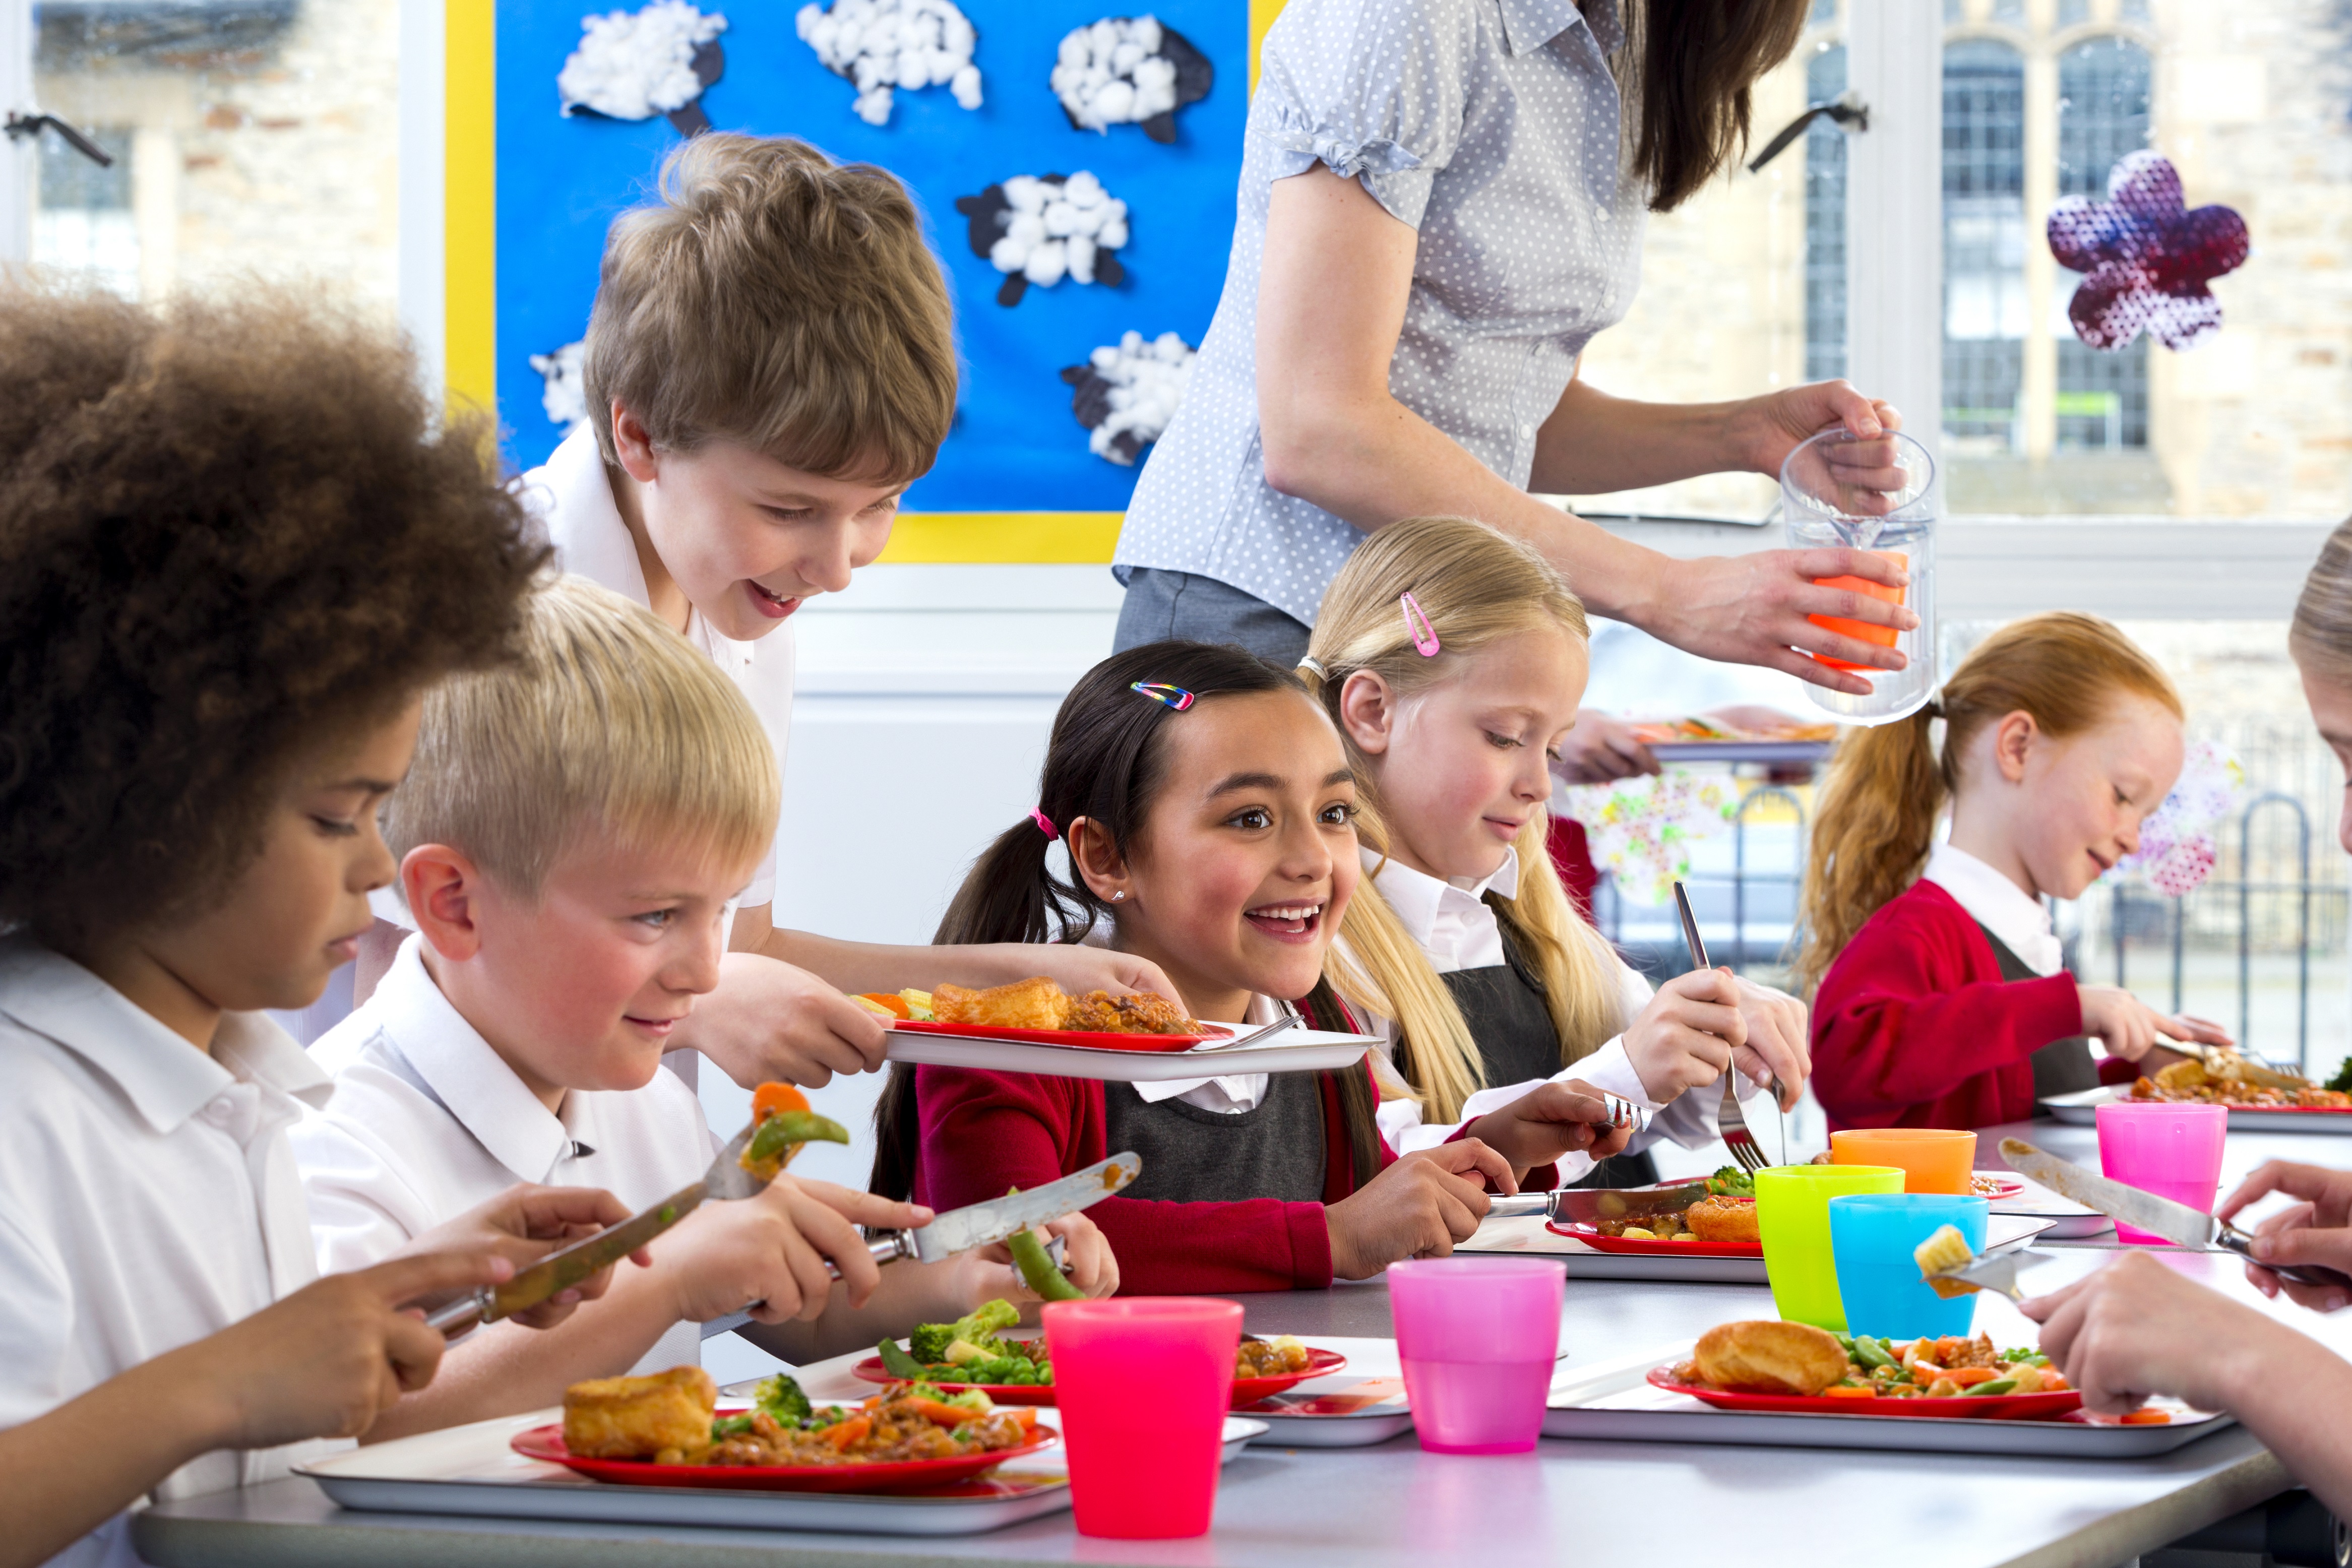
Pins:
x,y
929,1344
781,1397
980,1326
2343,1079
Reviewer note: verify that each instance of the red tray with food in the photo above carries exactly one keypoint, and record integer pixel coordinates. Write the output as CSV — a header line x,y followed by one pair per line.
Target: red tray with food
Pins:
x,y
1040,1013
1989,1184
1792,1368
1090,1040
1654,1245
1981,1408
846,1475
1246,1390
1722,1224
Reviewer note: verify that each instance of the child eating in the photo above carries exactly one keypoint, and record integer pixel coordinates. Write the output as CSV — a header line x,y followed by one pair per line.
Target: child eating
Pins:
x,y
1943,1000
570,838
235,544
1208,810
1451,659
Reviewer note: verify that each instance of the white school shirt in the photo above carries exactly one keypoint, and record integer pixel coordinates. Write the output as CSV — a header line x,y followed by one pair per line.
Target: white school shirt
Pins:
x,y
148,1199
427,1121
1227,1096
572,494
1453,925
1999,905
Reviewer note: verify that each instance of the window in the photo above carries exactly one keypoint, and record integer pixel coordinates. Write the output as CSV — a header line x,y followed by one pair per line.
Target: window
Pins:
x,y
1825,221
2103,113
1984,245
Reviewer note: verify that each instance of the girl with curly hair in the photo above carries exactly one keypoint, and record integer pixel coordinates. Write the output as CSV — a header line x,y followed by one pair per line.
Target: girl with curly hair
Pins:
x,y
236,543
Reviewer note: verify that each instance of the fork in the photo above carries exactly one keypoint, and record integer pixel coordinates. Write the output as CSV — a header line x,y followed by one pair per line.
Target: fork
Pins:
x,y
1731,1121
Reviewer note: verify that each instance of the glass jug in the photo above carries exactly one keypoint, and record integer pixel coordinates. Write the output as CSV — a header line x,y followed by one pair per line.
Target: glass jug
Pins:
x,y
1829,499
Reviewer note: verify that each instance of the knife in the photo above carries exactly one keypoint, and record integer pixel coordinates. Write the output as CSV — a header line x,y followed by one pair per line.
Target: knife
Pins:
x,y
1590,1205
1993,1271
2175,1222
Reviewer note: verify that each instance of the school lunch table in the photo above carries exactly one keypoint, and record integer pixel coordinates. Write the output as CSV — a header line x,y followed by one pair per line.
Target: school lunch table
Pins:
x,y
1394,1505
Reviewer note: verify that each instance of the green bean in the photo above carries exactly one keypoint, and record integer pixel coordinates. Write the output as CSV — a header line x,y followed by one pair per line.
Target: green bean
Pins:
x,y
1998,1386
1870,1352
1037,1270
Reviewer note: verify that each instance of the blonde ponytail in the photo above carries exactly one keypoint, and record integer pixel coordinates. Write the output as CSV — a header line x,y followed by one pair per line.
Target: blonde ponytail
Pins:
x,y
1476,586
1886,786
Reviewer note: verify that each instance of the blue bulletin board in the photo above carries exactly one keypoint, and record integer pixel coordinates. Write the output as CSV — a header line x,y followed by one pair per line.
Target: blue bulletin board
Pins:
x,y
1015,447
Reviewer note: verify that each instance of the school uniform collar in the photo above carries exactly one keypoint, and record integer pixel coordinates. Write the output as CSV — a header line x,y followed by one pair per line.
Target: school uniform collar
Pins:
x,y
1530,24
1998,905
165,1079
1240,1086
1420,899
586,521
472,1082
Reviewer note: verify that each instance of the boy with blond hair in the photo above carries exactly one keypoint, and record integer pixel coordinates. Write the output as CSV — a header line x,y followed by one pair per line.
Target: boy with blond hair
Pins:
x,y
571,836
771,361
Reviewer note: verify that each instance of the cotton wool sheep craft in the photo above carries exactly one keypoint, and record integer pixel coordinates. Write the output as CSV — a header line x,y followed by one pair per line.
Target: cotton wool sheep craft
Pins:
x,y
1129,71
1039,229
1126,393
564,395
886,45
635,65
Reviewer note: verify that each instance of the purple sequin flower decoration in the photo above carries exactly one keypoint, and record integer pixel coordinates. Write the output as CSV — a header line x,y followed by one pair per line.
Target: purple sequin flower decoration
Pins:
x,y
2145,261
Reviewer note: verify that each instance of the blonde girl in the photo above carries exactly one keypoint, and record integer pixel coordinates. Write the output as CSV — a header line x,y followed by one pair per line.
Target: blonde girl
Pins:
x,y
1942,999
1452,658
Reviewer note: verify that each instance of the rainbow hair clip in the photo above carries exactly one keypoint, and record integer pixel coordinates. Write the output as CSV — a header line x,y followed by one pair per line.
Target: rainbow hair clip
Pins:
x,y
1175,697
1424,635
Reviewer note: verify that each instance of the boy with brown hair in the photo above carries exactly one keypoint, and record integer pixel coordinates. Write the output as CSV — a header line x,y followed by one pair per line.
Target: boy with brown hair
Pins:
x,y
769,363
235,545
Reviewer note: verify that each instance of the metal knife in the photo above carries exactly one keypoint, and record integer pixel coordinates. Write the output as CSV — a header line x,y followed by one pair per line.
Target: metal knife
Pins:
x,y
2175,1222
1590,1205
1993,1271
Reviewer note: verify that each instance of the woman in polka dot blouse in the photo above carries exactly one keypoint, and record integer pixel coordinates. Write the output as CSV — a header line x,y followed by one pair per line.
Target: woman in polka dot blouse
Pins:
x,y
1440,205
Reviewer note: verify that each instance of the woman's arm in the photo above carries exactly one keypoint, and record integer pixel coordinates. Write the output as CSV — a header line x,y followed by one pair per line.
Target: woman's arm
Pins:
x,y
1594,443
1332,290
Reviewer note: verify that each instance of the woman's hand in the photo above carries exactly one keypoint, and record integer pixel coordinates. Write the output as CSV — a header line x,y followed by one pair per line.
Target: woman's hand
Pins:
x,y
2128,1027
987,1274
769,1021
1418,1208
1079,969
2318,1229
1546,1123
1753,609
1689,1034
1601,749
1765,430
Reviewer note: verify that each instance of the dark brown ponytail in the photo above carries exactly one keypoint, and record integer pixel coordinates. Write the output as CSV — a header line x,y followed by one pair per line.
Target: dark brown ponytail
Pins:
x,y
1686,75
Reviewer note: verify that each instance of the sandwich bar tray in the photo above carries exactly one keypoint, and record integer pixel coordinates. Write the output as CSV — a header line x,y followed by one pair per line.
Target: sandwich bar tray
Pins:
x,y
471,1471
1276,1049
1614,1401
2081,1110
1530,1237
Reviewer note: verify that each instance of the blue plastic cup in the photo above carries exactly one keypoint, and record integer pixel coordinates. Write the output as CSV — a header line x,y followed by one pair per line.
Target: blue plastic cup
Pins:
x,y
1872,1237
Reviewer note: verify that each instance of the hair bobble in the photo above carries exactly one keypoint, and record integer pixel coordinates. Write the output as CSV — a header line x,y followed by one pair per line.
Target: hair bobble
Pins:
x,y
1045,823
1416,621
1175,697
1314,666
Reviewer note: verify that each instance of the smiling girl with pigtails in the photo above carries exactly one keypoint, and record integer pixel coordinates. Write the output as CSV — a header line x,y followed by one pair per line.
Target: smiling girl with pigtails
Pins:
x,y
1208,810
1452,658
1943,998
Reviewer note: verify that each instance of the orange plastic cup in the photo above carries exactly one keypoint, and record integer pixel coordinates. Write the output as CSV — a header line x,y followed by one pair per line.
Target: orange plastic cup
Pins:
x,y
1861,630
1932,1159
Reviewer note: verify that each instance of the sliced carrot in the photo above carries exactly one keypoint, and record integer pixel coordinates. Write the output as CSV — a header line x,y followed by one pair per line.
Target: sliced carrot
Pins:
x,y
1966,1376
846,1435
774,1099
888,1001
2147,1418
940,1414
1849,1393
2054,1381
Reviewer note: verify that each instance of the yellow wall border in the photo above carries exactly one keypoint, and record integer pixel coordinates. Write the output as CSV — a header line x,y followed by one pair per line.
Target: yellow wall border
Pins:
x,y
470,201
1262,16
1022,539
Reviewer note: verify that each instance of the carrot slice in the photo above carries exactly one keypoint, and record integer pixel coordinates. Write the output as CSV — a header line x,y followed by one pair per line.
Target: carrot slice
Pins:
x,y
889,1001
1849,1393
846,1435
2054,1381
2147,1418
1966,1376
774,1099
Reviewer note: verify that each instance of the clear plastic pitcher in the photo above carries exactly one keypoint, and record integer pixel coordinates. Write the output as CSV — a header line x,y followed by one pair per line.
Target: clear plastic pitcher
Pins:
x,y
1829,499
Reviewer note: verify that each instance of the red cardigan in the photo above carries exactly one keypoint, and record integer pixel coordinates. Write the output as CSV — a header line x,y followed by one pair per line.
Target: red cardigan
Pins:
x,y
1913,1026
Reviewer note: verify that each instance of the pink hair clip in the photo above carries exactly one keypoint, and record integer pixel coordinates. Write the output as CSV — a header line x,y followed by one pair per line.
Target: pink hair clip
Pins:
x,y
1045,823
1176,697
1424,635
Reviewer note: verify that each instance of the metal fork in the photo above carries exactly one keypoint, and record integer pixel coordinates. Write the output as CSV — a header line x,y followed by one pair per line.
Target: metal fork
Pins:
x,y
1731,1121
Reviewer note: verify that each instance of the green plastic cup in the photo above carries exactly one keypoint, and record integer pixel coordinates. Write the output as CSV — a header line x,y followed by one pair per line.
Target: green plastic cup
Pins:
x,y
1792,1219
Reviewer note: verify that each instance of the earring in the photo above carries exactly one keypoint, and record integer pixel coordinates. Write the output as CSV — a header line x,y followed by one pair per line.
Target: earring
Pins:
x,y
1117,893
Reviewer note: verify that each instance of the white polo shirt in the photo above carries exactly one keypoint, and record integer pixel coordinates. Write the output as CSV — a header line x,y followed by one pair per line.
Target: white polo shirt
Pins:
x,y
427,1121
1455,928
147,1199
1999,905
572,494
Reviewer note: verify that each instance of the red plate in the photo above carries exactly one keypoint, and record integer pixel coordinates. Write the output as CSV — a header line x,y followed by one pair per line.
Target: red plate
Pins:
x,y
1084,1038
904,1476
1246,1390
1988,1408
1994,1185
1578,1230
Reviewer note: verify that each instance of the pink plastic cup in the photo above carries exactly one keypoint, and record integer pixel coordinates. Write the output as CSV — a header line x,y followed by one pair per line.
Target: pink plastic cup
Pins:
x,y
1142,1383
2172,1151
1477,1337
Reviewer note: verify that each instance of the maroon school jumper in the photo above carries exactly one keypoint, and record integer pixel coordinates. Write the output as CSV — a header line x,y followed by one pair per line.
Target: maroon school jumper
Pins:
x,y
984,1133
1913,1026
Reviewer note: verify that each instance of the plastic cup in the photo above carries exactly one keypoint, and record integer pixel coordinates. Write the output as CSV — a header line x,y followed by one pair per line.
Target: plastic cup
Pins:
x,y
2172,1151
1933,1159
1792,1218
1142,1383
1478,1337
1873,1235
1826,504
